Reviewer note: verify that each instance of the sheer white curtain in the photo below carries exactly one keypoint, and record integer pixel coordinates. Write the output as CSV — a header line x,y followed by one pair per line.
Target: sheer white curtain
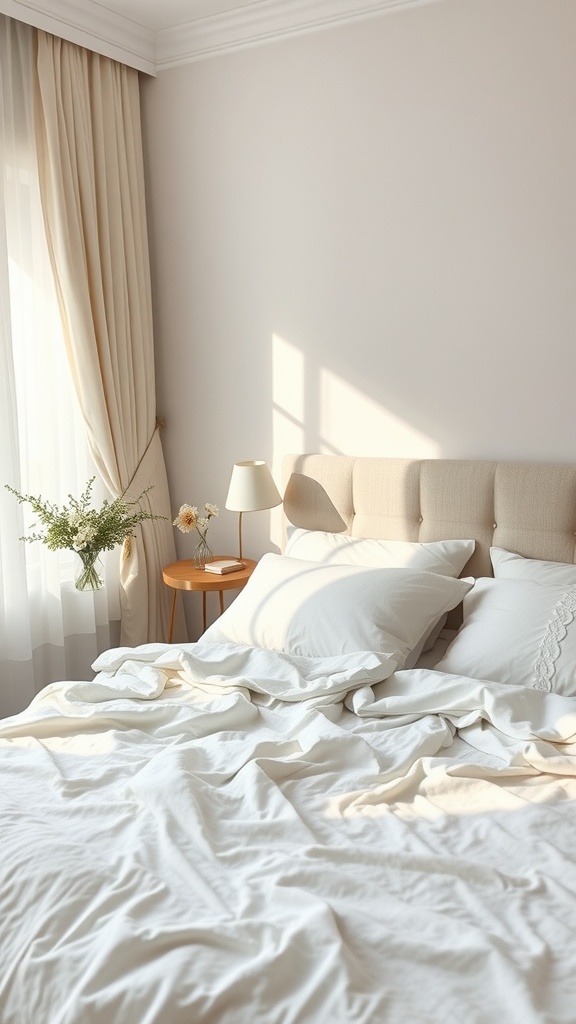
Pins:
x,y
48,630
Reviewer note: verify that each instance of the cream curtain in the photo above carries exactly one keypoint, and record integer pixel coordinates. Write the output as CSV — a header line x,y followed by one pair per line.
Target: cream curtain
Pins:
x,y
92,187
48,630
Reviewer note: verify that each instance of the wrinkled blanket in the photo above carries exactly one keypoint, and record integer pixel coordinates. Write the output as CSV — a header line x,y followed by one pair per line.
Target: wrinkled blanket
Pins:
x,y
210,834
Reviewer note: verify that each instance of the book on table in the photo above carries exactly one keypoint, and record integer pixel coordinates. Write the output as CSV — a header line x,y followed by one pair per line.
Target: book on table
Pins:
x,y
224,565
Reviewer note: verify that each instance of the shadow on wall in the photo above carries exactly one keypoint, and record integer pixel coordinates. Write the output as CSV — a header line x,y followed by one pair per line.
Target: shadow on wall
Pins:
x,y
306,504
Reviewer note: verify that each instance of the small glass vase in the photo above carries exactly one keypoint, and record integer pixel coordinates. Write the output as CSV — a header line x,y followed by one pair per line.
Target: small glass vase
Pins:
x,y
202,553
90,576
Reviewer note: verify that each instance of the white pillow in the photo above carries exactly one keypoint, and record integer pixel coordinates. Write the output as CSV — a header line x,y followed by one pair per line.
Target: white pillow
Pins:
x,y
510,566
519,632
302,608
446,557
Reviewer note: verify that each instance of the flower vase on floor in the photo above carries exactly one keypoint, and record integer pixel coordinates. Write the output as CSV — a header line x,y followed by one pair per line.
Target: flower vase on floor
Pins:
x,y
202,553
90,576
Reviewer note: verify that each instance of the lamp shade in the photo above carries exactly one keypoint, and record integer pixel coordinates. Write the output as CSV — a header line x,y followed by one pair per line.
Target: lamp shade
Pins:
x,y
251,488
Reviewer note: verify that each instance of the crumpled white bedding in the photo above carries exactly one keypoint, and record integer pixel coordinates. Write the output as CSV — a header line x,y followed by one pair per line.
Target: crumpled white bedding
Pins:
x,y
209,834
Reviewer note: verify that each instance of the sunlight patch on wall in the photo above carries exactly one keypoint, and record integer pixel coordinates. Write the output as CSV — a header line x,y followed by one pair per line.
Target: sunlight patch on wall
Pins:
x,y
287,415
353,423
315,410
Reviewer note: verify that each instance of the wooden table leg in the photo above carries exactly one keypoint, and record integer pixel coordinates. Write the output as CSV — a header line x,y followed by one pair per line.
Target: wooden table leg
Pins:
x,y
221,596
203,611
171,631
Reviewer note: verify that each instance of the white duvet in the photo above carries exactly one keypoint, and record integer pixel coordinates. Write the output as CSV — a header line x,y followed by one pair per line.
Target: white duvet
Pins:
x,y
211,834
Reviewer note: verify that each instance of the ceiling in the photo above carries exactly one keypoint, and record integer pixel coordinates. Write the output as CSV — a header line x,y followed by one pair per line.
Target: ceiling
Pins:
x,y
153,35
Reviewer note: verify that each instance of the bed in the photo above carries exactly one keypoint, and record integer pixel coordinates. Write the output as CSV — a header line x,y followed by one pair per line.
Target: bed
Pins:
x,y
352,800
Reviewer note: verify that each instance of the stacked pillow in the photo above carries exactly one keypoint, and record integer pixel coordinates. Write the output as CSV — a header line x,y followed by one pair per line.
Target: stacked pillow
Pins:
x,y
320,607
446,557
519,627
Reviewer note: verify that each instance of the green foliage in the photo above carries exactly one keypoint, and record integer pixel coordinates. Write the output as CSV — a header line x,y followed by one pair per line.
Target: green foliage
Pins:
x,y
81,528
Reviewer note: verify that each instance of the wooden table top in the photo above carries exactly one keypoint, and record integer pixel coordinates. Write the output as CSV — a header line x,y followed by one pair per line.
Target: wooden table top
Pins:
x,y
184,575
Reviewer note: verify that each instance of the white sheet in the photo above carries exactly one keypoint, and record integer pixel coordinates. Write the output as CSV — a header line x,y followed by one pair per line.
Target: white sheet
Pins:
x,y
180,848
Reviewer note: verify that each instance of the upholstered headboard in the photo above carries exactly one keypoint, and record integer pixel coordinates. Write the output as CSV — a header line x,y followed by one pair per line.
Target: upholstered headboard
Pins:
x,y
523,507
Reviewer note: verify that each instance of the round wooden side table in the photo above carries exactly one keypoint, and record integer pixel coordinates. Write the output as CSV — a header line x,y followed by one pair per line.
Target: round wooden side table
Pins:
x,y
184,575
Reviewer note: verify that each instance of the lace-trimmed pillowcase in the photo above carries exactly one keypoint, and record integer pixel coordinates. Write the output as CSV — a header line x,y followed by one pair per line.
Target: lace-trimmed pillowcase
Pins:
x,y
519,630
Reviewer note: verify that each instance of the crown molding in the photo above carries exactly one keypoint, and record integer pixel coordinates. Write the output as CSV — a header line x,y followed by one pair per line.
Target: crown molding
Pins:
x,y
260,22
91,25
98,28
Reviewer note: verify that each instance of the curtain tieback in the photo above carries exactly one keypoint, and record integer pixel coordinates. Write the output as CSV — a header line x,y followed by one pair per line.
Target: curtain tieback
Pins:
x,y
140,481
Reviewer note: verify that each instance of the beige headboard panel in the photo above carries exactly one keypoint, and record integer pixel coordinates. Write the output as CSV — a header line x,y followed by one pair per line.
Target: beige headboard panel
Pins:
x,y
523,507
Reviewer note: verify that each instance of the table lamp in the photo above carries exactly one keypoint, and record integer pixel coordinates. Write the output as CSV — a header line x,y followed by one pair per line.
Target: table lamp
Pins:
x,y
251,489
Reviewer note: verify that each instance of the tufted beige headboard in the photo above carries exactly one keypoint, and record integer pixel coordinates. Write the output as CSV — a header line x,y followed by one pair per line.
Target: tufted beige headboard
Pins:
x,y
523,507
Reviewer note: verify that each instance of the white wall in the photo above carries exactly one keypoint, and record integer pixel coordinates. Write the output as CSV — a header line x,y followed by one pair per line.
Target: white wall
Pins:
x,y
364,241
